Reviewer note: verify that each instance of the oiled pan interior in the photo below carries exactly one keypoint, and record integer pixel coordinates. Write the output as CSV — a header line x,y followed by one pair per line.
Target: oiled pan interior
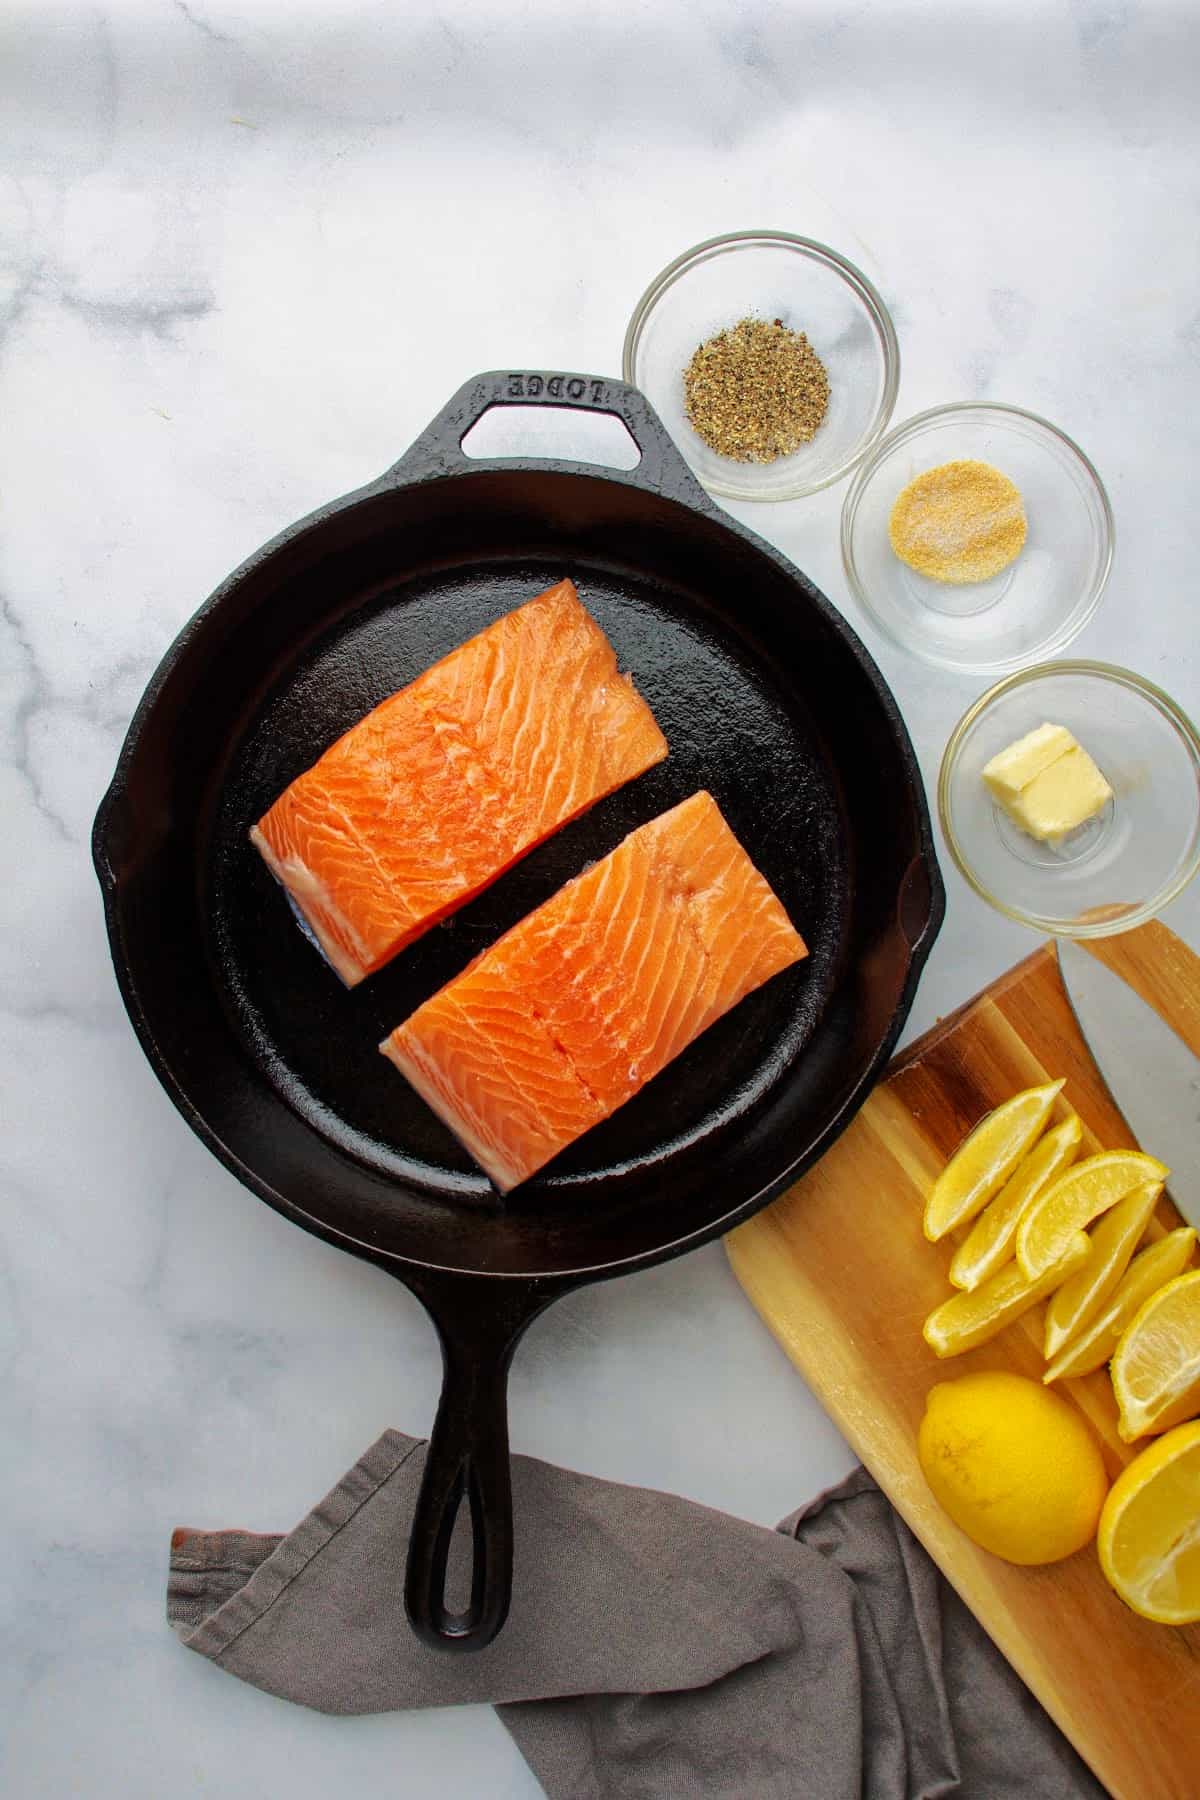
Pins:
x,y
763,702
731,728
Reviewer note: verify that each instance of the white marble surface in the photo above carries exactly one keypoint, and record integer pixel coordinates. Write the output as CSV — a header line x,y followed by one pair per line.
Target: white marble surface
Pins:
x,y
245,252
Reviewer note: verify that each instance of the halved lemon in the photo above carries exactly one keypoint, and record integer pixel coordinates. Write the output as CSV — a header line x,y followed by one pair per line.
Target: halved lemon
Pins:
x,y
1112,1244
990,1241
966,1320
984,1161
1149,1536
1058,1215
1156,1365
1150,1269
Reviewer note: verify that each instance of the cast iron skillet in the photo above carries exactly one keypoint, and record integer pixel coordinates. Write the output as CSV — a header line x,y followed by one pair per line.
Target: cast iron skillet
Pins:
x,y
766,698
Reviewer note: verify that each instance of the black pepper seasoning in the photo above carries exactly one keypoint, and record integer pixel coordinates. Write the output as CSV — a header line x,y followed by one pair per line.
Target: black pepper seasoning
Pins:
x,y
756,391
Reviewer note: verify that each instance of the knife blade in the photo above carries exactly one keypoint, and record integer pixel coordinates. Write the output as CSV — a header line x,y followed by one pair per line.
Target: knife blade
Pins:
x,y
1147,1068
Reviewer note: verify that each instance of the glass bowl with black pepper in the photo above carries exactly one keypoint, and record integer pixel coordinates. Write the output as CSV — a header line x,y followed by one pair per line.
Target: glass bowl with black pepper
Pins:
x,y
771,360
1069,798
978,537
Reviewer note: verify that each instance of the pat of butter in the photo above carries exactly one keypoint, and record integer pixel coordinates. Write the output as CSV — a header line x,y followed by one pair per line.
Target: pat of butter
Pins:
x,y
1048,796
1009,773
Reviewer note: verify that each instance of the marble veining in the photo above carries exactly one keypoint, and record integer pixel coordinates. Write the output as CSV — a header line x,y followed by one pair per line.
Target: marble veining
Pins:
x,y
246,252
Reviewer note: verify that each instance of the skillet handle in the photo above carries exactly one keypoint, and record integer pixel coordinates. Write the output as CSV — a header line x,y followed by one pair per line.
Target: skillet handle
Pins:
x,y
480,1322
438,450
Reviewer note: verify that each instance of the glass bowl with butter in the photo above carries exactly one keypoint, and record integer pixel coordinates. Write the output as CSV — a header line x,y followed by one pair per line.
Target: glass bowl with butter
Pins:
x,y
929,495
1069,797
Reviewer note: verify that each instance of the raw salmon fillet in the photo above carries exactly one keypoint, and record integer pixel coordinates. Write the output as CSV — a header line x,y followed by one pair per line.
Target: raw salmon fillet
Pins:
x,y
583,1002
442,787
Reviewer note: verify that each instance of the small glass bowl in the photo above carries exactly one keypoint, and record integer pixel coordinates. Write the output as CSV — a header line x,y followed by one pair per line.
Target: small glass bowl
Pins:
x,y
1120,868
769,275
1042,600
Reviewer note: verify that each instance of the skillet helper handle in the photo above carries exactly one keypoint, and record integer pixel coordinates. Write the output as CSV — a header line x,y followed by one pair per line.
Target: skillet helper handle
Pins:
x,y
921,905
467,1462
438,450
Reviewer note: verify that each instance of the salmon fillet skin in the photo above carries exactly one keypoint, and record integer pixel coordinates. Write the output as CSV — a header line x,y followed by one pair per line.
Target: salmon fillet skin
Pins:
x,y
585,1000
440,789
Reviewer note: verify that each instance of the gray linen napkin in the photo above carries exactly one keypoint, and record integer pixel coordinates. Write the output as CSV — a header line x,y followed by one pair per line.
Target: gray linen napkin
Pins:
x,y
654,1648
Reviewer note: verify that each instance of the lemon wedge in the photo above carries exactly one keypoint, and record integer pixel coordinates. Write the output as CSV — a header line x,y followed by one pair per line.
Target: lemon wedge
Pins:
x,y
1112,1244
1149,1536
1156,1365
1150,1269
966,1320
989,1244
984,1161
1058,1215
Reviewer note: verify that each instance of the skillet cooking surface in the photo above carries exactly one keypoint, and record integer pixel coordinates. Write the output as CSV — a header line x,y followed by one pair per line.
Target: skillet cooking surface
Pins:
x,y
731,728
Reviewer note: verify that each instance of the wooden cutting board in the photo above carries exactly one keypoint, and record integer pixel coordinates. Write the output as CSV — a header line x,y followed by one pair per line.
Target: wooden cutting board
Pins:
x,y
842,1274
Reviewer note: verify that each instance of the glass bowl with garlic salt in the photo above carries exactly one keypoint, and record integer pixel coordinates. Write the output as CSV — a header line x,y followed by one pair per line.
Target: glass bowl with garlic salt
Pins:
x,y
978,537
1069,796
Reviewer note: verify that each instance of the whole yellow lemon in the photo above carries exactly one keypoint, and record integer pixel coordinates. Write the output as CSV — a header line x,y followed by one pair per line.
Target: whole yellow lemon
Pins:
x,y
1014,1465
